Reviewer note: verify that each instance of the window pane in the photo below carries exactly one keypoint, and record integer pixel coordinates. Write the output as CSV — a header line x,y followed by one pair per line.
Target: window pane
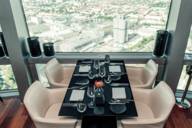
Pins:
x,y
183,80
97,25
7,79
189,44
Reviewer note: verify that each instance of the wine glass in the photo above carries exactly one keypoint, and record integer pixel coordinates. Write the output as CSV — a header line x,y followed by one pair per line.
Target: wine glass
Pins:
x,y
91,74
108,79
96,64
107,59
102,71
91,94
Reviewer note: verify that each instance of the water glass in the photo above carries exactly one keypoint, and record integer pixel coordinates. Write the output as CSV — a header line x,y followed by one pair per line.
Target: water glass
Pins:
x,y
91,94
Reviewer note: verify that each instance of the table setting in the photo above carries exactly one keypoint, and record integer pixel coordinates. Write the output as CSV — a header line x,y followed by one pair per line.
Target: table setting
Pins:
x,y
99,87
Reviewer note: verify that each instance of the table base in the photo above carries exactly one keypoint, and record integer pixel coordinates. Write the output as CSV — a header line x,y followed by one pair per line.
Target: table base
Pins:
x,y
99,122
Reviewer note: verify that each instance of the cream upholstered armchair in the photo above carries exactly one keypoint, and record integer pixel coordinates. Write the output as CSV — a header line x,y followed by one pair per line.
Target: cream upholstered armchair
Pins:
x,y
153,107
143,77
43,106
57,75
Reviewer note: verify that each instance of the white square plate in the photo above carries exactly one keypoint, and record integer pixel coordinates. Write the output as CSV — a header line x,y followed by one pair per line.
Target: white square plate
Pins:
x,y
116,68
77,95
118,93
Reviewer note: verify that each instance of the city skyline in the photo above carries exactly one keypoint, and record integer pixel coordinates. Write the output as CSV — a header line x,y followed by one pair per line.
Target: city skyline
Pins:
x,y
87,25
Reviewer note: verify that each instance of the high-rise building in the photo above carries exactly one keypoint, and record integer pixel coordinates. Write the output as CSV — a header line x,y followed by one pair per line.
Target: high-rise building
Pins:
x,y
120,29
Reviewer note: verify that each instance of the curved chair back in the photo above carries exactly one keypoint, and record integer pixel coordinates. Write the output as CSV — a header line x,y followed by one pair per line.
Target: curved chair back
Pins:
x,y
153,106
54,71
163,100
36,100
150,72
43,106
143,77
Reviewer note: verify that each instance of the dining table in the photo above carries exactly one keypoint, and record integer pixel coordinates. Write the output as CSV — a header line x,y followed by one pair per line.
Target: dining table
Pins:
x,y
99,89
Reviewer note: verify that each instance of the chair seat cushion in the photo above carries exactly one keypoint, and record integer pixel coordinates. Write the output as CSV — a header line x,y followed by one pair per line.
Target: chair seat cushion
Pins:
x,y
144,111
53,111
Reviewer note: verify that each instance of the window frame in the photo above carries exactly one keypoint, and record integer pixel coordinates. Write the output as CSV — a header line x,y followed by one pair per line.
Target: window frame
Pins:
x,y
20,33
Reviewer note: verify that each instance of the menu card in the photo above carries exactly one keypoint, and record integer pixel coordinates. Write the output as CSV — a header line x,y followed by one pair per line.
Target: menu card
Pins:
x,y
77,95
115,68
118,93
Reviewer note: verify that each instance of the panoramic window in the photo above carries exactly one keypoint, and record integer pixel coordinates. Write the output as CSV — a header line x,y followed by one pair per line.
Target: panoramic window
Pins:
x,y
97,25
183,80
7,79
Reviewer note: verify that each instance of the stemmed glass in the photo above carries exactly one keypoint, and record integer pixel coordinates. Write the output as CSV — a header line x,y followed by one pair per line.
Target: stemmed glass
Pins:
x,y
102,71
96,64
108,79
91,94
91,74
107,59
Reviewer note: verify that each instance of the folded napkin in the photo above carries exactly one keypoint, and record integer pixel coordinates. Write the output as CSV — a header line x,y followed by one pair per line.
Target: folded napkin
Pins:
x,y
115,68
84,68
77,95
118,93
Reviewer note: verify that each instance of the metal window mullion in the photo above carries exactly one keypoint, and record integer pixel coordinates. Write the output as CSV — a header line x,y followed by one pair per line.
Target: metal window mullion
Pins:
x,y
15,32
179,25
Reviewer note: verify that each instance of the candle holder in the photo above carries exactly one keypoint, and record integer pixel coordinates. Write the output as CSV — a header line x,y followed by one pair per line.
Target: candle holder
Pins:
x,y
49,49
160,43
34,46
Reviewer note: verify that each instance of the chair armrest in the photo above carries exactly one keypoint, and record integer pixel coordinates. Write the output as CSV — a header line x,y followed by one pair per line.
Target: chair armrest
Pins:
x,y
57,123
58,85
148,85
57,95
142,123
